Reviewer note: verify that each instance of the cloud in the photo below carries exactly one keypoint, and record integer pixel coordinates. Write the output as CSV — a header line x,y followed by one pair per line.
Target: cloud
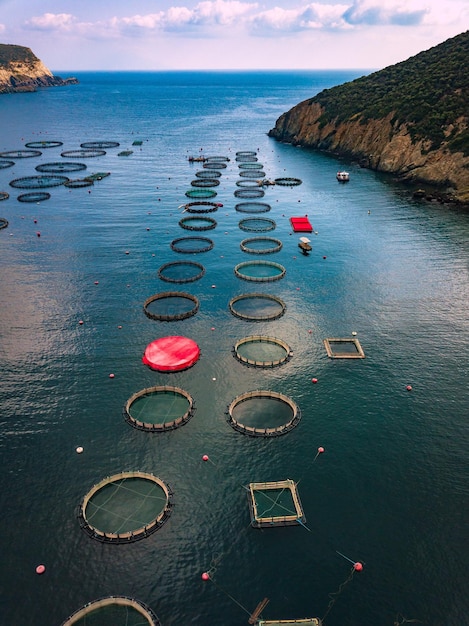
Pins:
x,y
313,16
386,12
52,22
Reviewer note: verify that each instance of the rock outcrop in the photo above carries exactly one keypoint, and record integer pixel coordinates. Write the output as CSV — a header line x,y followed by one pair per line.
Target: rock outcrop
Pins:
x,y
21,70
388,143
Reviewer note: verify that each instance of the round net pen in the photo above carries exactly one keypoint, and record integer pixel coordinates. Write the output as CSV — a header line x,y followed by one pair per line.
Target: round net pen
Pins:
x,y
255,174
38,196
214,165
43,144
125,507
4,195
249,193
288,182
192,245
5,164
260,271
261,245
38,182
202,207
257,224
60,167
243,153
20,154
198,223
201,193
159,409
217,159
171,306
181,272
83,154
208,174
263,414
99,145
113,611
262,351
252,165
257,307
252,207
205,182
3,223
275,504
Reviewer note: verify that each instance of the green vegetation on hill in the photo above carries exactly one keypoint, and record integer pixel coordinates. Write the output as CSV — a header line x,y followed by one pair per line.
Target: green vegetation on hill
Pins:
x,y
429,92
9,53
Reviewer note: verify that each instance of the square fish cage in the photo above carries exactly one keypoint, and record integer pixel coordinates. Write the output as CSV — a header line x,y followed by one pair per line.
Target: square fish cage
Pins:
x,y
344,348
275,504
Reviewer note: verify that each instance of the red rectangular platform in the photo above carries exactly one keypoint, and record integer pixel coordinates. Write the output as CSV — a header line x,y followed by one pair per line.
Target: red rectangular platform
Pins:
x,y
301,224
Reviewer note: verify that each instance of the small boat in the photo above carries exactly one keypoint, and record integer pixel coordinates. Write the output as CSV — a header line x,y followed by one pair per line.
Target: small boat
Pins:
x,y
197,159
305,245
343,177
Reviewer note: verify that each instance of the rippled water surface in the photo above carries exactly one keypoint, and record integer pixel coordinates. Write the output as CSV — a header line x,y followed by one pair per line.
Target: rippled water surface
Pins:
x,y
390,490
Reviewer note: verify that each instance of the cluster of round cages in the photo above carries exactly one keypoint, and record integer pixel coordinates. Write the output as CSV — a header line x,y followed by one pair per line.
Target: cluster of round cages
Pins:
x,y
125,507
261,245
20,154
34,196
260,271
288,182
197,223
257,307
113,611
191,245
202,207
3,223
181,272
263,414
38,182
159,409
257,224
171,306
262,351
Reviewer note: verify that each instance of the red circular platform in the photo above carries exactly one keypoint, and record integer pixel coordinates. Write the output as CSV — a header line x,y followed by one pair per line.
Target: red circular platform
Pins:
x,y
171,354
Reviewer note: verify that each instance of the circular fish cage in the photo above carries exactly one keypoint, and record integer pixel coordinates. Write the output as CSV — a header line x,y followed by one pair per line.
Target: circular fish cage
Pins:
x,y
198,223
252,207
82,154
99,145
288,182
244,153
181,272
208,174
113,611
261,245
260,271
205,182
263,414
20,154
79,183
4,195
257,224
191,245
171,306
246,159
3,223
158,409
5,164
249,193
252,174
171,354
214,165
35,196
202,207
60,167
257,307
250,165
262,351
125,507
249,184
217,159
38,182
201,193
43,144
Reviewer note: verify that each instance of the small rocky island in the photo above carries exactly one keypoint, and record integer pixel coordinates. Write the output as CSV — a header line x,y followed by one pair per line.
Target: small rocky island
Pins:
x,y
410,119
21,70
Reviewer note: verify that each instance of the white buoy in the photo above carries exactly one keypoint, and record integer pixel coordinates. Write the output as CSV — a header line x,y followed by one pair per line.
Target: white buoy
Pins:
x,y
79,450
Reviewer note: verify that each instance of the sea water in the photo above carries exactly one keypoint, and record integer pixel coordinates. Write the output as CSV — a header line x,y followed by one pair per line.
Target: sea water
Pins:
x,y
390,490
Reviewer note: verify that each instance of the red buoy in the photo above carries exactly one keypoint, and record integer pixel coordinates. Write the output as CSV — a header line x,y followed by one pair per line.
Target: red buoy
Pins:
x,y
358,566
205,576
40,569
205,457
314,380
409,387
320,450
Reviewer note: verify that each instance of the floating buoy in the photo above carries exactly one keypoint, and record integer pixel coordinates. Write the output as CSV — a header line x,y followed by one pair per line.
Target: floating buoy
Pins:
x,y
127,252
205,457
358,566
96,282
324,257
310,331
40,569
80,322
213,286
320,450
214,378
409,387
111,375
79,450
38,234
119,327
314,380
213,328
35,221
354,332
205,576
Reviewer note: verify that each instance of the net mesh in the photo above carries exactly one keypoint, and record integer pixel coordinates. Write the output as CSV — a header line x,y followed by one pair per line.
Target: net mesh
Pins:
x,y
38,182
249,193
261,245
257,307
201,193
263,414
43,144
20,154
159,408
253,207
83,154
189,245
257,224
181,272
260,271
38,196
198,223
60,166
99,145
5,164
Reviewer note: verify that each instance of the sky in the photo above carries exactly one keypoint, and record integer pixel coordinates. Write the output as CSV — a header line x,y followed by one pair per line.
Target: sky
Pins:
x,y
228,34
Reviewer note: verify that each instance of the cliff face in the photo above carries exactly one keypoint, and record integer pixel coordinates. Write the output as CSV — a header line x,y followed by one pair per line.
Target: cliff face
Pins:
x,y
21,70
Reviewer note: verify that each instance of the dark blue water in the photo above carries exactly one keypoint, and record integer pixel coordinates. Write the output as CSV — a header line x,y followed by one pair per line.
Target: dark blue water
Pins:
x,y
391,489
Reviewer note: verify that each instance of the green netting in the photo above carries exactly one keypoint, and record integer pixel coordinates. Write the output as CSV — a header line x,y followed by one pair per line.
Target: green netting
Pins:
x,y
4,195
5,164
38,182
125,507
38,196
201,193
197,223
181,272
169,306
205,182
261,245
263,413
79,183
83,154
3,223
262,351
257,307
253,207
208,174
159,409
260,271
43,144
60,167
100,145
275,504
257,224
188,245
249,193
20,154
288,182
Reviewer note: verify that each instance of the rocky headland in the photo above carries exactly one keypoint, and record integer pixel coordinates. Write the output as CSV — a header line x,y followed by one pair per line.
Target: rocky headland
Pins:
x,y
21,70
410,119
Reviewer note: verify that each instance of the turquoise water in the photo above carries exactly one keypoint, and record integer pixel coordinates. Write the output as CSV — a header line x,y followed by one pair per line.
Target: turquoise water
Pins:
x,y
391,489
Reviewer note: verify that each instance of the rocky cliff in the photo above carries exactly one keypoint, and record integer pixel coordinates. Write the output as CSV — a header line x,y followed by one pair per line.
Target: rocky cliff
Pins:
x,y
21,70
391,121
